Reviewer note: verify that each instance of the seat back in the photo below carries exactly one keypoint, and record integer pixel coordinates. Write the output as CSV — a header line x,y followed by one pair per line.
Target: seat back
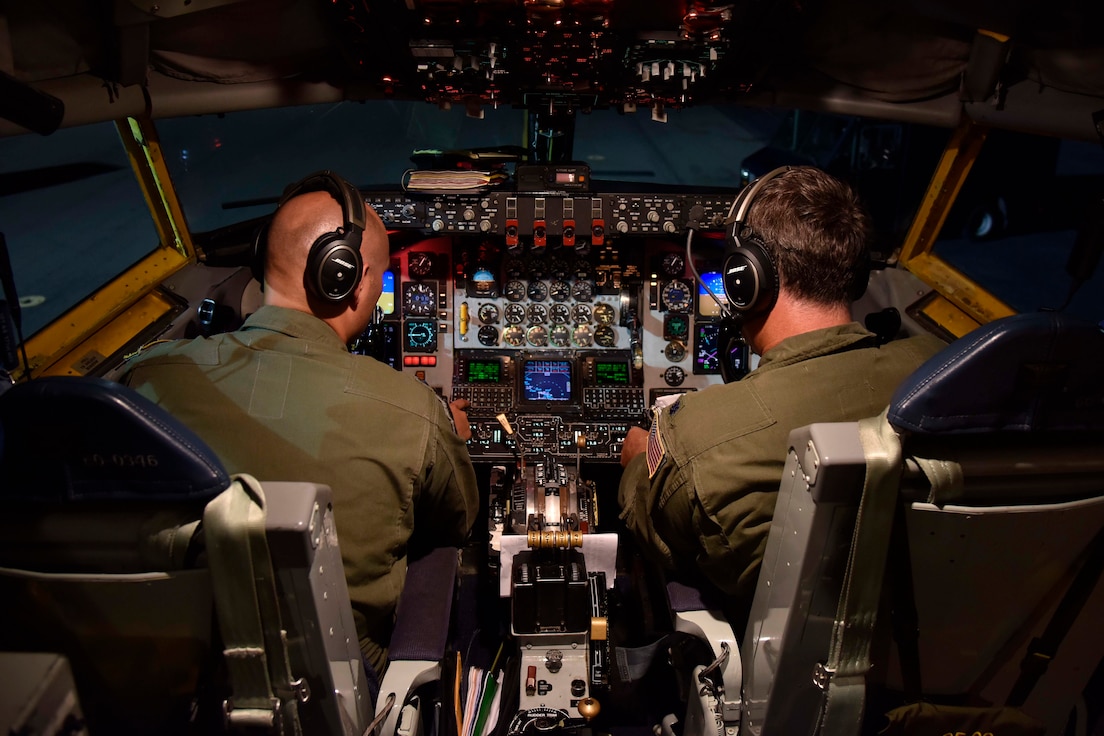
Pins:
x,y
104,559
994,450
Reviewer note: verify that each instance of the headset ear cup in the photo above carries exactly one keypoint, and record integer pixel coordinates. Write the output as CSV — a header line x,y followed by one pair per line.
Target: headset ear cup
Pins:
x,y
257,258
749,277
334,268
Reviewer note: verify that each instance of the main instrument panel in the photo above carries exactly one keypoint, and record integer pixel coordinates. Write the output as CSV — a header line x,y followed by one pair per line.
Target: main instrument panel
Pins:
x,y
560,317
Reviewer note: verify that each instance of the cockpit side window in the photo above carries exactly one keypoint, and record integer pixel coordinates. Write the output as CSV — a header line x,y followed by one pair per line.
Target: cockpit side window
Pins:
x,y
73,215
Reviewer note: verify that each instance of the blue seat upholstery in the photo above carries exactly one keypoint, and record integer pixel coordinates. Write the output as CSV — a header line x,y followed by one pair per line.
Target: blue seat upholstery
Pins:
x,y
1038,372
69,438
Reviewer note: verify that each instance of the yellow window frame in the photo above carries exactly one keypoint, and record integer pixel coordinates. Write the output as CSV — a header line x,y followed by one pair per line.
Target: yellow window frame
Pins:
x,y
961,304
84,339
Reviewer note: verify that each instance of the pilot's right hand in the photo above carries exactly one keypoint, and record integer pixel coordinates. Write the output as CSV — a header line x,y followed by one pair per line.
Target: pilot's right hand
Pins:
x,y
460,418
636,443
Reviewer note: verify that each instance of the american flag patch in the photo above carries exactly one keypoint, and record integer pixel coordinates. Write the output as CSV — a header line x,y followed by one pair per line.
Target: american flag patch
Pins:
x,y
656,450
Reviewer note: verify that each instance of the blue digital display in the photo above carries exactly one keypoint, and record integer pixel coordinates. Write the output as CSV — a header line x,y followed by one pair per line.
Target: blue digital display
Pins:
x,y
547,380
387,297
707,305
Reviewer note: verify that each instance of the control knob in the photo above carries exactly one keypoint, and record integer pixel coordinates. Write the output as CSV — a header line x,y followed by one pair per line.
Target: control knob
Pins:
x,y
669,226
437,225
653,216
622,226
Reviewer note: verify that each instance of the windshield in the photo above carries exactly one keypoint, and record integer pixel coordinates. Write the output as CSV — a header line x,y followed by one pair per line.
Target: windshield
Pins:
x,y
73,216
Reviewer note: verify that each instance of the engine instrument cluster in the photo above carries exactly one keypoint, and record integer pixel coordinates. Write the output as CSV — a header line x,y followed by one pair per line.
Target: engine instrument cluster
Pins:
x,y
565,315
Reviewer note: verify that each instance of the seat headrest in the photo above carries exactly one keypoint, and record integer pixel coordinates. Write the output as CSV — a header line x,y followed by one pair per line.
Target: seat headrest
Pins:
x,y
80,438
1038,372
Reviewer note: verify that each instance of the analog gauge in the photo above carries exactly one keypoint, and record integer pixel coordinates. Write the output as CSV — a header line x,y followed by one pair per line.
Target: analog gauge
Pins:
x,y
537,314
605,336
488,314
538,291
514,290
560,291
420,336
483,284
675,326
580,314
515,314
673,264
582,269
676,296
604,314
420,264
560,336
674,376
514,268
488,336
419,299
537,269
583,290
675,351
583,336
557,267
559,314
537,335
513,336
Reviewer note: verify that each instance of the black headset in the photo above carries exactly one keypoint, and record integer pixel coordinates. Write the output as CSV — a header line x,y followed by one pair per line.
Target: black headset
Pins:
x,y
334,264
749,276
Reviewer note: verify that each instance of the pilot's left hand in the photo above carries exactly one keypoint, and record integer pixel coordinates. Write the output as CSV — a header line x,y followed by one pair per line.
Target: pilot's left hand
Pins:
x,y
460,418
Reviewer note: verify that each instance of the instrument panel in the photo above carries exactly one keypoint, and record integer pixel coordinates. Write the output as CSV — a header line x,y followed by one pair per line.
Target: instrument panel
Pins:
x,y
560,318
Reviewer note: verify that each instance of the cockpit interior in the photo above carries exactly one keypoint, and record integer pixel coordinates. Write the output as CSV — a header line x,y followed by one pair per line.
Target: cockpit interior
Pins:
x,y
556,178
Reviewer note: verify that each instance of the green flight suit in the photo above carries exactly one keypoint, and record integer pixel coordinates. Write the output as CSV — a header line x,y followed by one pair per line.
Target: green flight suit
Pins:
x,y
283,399
708,506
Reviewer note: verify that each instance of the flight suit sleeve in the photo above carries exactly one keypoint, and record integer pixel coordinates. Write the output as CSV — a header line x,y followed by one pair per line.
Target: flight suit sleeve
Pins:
x,y
664,530
448,500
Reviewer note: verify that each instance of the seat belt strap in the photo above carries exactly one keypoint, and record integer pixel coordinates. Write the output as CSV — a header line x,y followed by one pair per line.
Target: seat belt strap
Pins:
x,y
843,676
255,644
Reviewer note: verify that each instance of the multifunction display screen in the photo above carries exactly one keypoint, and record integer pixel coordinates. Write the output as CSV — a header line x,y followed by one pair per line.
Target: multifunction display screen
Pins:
x,y
483,371
546,380
611,373
708,306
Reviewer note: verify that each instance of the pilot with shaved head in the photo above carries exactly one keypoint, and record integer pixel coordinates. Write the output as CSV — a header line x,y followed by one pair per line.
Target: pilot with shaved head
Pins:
x,y
699,489
282,398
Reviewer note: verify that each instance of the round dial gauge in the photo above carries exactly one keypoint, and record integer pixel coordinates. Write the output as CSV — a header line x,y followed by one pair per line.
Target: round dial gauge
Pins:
x,y
675,351
560,336
420,264
420,336
514,268
537,314
557,267
673,264
537,269
605,336
675,326
488,336
419,299
560,291
583,336
515,314
538,291
583,291
537,336
514,290
674,376
513,336
559,314
676,296
582,268
488,314
580,313
604,314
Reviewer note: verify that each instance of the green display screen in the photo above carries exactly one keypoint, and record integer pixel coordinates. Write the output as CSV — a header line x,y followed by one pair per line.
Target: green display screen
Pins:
x,y
484,371
611,373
